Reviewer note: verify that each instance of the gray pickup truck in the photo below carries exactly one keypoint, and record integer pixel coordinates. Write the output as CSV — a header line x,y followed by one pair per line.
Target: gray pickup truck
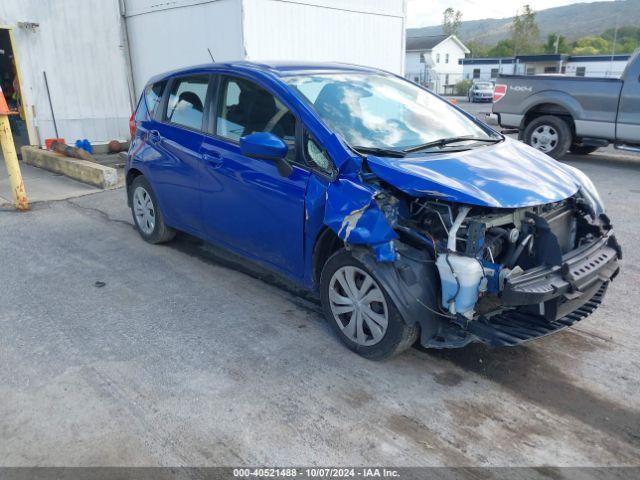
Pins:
x,y
556,114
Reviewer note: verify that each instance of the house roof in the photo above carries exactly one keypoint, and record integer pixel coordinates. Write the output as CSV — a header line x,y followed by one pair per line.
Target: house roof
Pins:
x,y
544,58
426,43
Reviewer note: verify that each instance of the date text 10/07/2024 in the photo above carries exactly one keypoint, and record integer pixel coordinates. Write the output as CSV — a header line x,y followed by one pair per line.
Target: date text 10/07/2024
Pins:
x,y
315,472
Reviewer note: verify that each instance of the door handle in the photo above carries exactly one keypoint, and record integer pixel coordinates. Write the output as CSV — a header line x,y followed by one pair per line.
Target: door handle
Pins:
x,y
213,159
154,136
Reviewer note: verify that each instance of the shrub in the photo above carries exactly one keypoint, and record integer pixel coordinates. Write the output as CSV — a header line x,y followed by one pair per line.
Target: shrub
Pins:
x,y
462,87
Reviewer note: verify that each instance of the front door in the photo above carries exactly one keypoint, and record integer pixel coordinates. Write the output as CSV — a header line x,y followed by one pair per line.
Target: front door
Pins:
x,y
246,204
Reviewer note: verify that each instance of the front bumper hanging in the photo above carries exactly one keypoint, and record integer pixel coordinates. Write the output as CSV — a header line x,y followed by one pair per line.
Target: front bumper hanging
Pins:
x,y
549,299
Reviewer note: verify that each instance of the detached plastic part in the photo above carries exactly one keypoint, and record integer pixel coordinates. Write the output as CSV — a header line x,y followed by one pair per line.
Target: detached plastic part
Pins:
x,y
353,213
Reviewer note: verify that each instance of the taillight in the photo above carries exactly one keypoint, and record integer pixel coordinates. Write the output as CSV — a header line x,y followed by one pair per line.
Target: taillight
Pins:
x,y
499,91
132,125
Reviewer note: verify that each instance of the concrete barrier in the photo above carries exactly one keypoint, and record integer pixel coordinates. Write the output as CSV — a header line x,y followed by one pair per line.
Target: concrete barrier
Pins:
x,y
82,170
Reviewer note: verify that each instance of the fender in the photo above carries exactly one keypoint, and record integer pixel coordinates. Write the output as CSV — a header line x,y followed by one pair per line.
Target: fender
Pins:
x,y
553,97
412,284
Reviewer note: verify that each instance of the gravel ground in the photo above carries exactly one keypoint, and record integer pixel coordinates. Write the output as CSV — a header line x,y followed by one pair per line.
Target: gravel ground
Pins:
x,y
184,358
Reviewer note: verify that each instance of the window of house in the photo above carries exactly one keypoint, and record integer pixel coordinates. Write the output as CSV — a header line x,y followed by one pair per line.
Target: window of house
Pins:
x,y
446,58
476,73
494,73
437,58
446,79
580,71
246,108
550,69
153,96
531,70
186,101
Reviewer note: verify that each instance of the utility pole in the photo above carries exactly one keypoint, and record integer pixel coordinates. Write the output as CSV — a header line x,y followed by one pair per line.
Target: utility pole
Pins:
x,y
10,157
613,51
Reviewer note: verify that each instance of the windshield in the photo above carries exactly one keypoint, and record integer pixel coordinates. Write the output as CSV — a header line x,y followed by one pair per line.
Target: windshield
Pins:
x,y
382,111
484,86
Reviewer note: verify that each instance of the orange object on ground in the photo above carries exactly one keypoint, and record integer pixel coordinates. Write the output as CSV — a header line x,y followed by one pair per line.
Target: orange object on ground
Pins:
x,y
453,101
50,141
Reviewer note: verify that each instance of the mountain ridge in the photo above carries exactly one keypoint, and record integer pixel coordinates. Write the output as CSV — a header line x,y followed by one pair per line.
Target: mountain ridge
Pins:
x,y
573,21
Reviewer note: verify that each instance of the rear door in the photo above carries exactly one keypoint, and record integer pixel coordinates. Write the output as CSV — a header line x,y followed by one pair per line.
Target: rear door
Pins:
x,y
247,204
175,174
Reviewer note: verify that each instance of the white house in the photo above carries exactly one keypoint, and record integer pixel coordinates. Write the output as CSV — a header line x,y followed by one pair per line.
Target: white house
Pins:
x,y
98,54
577,65
434,61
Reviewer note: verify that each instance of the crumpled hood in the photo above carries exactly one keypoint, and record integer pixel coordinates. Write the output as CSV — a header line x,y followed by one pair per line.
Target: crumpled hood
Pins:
x,y
508,174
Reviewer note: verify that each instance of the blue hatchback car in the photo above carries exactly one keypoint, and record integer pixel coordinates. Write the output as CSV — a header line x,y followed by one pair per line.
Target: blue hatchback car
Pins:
x,y
411,220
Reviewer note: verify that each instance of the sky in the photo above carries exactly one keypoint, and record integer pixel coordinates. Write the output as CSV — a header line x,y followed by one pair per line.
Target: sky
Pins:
x,y
425,13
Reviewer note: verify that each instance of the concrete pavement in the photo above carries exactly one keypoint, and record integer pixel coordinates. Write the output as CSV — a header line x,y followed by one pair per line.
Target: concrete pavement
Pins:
x,y
181,359
41,185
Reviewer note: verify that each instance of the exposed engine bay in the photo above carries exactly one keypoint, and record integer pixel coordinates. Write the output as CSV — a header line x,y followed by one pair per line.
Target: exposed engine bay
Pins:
x,y
510,266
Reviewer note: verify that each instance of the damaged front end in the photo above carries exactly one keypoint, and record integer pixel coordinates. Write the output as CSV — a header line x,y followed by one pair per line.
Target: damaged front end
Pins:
x,y
468,272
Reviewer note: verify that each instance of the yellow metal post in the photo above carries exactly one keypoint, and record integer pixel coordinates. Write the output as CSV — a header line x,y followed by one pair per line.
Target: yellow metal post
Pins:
x,y
10,157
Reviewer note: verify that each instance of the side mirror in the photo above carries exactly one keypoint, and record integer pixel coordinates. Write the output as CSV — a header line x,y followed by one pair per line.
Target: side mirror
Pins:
x,y
267,146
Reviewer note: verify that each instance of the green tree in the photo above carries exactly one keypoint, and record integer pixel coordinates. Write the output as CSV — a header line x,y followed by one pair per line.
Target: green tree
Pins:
x,y
627,38
477,49
451,21
591,46
561,41
504,48
525,31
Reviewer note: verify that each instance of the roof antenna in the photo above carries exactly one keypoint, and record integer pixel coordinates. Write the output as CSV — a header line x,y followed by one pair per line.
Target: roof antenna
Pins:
x,y
212,59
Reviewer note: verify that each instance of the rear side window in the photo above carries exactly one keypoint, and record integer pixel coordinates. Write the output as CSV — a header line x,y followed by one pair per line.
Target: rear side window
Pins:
x,y
186,101
153,96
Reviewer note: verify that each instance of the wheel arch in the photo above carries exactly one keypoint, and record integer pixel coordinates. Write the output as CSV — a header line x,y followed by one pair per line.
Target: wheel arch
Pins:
x,y
132,174
548,108
327,243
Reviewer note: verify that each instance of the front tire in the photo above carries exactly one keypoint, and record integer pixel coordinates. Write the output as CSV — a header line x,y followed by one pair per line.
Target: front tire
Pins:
x,y
360,311
549,134
146,213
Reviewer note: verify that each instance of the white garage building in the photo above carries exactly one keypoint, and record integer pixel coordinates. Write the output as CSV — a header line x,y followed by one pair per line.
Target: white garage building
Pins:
x,y
98,54
606,66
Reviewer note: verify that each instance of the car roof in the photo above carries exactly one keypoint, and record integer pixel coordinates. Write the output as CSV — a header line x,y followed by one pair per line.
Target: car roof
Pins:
x,y
278,68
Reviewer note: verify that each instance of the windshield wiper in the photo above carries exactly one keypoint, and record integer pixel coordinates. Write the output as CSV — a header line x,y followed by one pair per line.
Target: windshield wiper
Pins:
x,y
387,152
446,141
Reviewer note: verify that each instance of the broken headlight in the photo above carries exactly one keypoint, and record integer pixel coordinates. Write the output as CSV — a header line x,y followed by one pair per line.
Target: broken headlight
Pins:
x,y
588,190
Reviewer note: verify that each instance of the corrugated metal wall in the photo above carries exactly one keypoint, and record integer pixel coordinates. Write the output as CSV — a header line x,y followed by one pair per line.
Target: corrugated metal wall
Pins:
x,y
168,35
83,47
176,33
366,32
79,44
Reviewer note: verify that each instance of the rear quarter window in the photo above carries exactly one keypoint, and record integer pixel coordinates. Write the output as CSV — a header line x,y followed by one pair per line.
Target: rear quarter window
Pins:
x,y
186,101
153,96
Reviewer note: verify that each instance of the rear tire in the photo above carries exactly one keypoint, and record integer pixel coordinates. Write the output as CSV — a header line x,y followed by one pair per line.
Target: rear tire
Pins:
x,y
360,311
582,149
147,216
549,134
